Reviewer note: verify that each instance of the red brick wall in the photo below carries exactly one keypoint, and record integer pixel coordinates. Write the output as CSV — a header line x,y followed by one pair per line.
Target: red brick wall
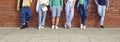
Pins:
x,y
10,17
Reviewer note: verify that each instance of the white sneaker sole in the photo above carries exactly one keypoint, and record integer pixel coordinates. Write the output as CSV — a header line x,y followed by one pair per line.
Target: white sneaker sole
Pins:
x,y
39,27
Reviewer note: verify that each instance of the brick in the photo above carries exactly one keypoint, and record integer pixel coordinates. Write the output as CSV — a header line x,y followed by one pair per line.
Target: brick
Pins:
x,y
10,17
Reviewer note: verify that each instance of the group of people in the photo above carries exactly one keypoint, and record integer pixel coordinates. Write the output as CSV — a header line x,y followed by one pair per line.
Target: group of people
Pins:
x,y
56,6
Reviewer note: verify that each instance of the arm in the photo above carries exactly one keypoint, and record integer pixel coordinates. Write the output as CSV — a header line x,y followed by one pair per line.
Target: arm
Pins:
x,y
47,2
73,5
77,2
65,1
37,6
96,2
107,4
30,1
88,4
61,4
50,3
18,5
74,2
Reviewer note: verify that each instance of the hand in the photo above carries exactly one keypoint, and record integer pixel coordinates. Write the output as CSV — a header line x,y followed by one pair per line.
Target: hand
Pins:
x,y
86,8
44,4
36,10
50,9
18,9
107,8
61,9
71,9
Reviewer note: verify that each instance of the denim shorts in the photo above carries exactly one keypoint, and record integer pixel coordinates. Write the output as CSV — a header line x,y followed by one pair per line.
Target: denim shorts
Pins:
x,y
56,11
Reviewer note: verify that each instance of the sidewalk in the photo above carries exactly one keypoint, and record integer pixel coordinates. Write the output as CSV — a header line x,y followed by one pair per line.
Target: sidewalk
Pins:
x,y
15,34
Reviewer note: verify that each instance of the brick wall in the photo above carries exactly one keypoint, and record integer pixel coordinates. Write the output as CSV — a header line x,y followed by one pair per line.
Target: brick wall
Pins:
x,y
10,17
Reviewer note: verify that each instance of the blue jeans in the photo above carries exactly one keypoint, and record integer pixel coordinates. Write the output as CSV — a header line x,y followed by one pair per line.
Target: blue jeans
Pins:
x,y
83,13
56,11
25,14
69,15
101,12
41,16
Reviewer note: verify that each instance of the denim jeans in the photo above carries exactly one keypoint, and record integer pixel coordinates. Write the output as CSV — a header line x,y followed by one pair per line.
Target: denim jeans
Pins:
x,y
25,14
101,12
69,15
41,16
83,13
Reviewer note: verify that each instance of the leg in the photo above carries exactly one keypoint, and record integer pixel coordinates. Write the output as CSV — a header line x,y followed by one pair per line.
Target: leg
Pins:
x,y
58,15
81,10
39,17
99,11
53,16
70,18
57,20
29,14
43,18
102,16
85,16
67,15
23,17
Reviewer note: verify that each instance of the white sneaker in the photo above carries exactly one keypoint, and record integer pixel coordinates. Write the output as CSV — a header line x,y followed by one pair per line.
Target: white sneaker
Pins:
x,y
42,27
39,27
69,27
53,26
81,26
56,27
84,26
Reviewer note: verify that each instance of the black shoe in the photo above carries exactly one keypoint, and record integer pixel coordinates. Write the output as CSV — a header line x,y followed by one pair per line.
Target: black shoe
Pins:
x,y
101,26
23,27
26,25
68,27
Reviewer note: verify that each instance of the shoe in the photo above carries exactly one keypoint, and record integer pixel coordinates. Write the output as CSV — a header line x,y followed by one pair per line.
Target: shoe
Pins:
x,y
84,26
42,27
26,25
68,27
65,26
39,27
23,27
101,26
53,26
56,27
81,26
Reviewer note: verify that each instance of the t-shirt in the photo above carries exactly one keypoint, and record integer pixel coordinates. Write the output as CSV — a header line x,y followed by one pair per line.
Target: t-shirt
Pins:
x,y
102,2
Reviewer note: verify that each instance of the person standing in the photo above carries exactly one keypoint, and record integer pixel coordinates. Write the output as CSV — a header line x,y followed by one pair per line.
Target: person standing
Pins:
x,y
41,8
82,6
25,12
102,5
69,9
56,7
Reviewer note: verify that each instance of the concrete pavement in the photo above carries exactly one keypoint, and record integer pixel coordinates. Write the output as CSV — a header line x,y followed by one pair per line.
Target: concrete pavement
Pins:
x,y
15,34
